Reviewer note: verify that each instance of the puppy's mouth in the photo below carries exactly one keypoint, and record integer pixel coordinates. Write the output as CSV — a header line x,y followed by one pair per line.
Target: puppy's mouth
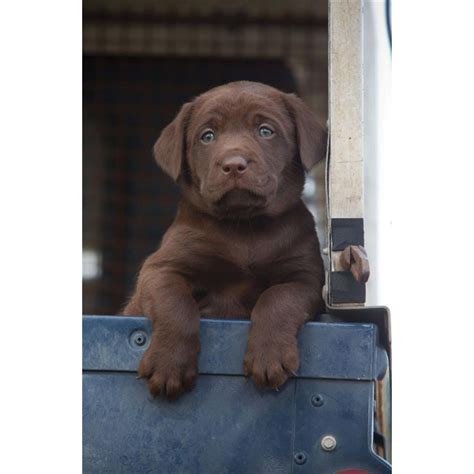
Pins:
x,y
240,201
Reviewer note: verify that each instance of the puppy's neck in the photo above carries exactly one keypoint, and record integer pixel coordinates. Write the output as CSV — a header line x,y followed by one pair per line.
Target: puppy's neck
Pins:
x,y
188,212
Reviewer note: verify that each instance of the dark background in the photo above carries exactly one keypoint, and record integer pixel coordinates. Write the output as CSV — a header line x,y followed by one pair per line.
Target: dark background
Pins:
x,y
139,67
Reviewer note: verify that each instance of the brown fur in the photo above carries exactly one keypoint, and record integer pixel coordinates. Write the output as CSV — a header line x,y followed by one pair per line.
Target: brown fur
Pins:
x,y
243,245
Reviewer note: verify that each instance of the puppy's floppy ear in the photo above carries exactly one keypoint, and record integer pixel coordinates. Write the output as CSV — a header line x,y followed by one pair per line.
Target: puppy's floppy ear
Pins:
x,y
311,136
170,148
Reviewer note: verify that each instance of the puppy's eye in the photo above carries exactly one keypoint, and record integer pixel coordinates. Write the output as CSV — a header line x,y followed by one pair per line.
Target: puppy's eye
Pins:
x,y
207,136
265,132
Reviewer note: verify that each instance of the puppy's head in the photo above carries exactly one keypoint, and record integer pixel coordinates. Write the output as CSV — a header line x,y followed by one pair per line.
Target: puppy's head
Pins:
x,y
240,150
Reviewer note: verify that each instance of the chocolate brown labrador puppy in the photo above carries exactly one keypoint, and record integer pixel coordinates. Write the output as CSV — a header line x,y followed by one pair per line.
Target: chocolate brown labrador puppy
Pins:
x,y
243,245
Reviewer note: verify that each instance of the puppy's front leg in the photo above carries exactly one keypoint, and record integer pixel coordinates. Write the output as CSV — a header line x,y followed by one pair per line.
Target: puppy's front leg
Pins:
x,y
272,349
170,362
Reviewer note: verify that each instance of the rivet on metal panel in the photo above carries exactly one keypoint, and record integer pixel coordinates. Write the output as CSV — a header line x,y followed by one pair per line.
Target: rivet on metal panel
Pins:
x,y
300,457
138,338
328,443
317,400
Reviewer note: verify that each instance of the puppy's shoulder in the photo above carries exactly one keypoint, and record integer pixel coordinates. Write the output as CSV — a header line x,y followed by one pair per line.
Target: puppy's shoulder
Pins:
x,y
189,240
299,225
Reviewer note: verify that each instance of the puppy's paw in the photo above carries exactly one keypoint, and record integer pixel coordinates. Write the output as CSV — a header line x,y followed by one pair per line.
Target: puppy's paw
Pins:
x,y
170,370
270,360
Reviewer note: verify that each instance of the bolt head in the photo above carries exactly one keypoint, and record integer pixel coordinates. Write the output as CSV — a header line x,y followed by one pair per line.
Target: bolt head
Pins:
x,y
328,443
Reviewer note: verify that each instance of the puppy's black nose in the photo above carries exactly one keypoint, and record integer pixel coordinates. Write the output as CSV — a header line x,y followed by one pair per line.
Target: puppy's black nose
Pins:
x,y
235,165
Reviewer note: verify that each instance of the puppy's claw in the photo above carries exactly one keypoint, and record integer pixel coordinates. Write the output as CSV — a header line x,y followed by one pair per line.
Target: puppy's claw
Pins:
x,y
293,373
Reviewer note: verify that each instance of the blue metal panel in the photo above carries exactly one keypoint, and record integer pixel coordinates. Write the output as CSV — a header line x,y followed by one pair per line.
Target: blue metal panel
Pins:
x,y
226,425
340,351
346,413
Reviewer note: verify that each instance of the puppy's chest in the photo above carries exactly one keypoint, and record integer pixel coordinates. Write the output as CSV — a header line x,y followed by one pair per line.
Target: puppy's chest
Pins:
x,y
237,269
251,253
232,279
228,255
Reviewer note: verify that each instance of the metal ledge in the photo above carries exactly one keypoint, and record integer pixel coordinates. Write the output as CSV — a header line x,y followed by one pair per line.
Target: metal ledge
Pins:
x,y
327,350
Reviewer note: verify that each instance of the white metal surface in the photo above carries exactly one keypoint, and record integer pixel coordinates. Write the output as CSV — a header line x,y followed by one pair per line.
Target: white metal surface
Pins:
x,y
345,168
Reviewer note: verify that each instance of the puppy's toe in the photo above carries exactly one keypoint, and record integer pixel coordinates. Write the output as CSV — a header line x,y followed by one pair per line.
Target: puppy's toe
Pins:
x,y
174,387
276,375
146,367
259,375
156,384
248,362
189,379
291,361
